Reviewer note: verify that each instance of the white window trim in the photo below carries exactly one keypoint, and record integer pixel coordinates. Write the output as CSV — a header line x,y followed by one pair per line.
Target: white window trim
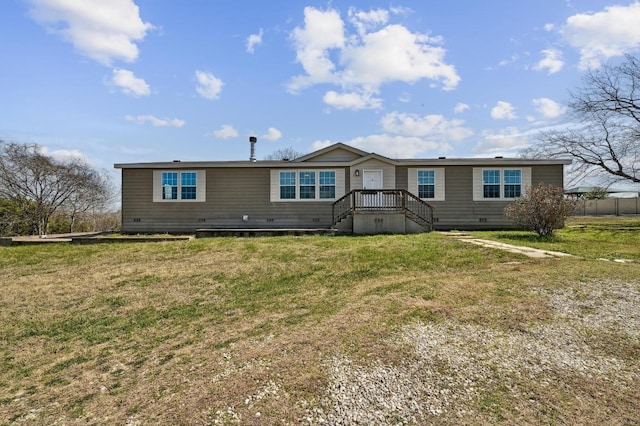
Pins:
x,y
201,186
438,172
275,186
478,184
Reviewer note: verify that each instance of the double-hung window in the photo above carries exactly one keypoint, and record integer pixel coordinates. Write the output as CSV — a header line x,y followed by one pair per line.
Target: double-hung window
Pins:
x,y
179,185
288,185
307,185
426,184
188,181
491,183
328,184
169,185
512,183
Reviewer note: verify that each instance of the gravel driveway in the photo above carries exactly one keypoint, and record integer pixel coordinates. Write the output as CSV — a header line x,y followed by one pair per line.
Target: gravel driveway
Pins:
x,y
458,367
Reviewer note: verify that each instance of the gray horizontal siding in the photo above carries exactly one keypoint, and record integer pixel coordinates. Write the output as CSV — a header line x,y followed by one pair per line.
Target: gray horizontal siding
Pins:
x,y
234,192
459,211
231,194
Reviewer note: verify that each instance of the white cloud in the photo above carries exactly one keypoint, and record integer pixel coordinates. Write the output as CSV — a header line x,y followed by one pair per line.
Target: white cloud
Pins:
x,y
512,60
361,61
431,126
549,108
460,108
322,32
254,40
405,97
506,142
395,54
552,61
549,27
503,111
409,135
129,84
70,155
273,134
101,30
602,35
397,146
352,100
367,21
155,121
209,86
318,145
227,131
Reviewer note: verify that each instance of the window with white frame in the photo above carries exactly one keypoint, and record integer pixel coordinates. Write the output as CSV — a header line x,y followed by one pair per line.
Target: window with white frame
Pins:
x,y
188,185
512,183
307,185
328,184
304,185
426,183
178,185
500,183
491,183
288,185
169,185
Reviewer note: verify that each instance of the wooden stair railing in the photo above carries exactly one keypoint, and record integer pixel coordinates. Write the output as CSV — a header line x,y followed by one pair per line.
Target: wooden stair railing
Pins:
x,y
389,200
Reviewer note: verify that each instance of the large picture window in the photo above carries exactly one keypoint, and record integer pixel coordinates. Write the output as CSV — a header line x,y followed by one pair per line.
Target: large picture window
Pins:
x,y
304,185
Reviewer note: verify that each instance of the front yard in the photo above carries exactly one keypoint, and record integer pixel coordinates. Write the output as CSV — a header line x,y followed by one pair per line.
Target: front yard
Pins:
x,y
418,329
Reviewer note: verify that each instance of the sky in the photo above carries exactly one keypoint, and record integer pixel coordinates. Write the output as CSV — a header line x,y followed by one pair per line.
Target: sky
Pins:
x,y
124,81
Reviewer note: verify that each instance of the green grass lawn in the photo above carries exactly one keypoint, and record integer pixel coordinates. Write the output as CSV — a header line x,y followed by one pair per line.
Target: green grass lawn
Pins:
x,y
244,331
590,237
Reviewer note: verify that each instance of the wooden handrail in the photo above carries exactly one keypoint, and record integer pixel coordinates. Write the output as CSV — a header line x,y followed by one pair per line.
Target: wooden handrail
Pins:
x,y
383,200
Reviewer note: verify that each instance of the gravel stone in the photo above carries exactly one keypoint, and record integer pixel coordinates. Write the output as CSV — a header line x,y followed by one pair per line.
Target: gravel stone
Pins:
x,y
456,362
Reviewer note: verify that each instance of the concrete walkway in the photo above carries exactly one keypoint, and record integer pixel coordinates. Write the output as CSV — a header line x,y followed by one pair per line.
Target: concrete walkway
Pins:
x,y
527,251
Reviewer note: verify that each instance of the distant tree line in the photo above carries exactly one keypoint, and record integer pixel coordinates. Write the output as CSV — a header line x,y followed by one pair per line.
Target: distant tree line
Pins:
x,y
40,194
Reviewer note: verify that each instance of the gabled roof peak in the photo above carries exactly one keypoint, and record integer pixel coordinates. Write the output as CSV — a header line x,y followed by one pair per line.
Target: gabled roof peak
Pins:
x,y
333,147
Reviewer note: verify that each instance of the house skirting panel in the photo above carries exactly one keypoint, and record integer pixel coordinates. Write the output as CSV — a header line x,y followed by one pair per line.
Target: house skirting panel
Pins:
x,y
384,223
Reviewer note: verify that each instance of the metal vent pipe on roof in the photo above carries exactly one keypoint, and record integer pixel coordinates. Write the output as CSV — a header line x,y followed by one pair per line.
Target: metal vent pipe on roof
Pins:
x,y
253,140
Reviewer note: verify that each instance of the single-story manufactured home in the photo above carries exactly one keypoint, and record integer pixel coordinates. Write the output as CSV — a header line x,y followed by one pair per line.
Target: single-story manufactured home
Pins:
x,y
339,186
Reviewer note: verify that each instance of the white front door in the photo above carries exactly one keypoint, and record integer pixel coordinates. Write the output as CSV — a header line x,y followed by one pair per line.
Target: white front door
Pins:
x,y
372,179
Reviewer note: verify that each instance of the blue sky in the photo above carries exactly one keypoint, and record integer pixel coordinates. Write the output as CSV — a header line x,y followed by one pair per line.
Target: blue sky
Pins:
x,y
155,80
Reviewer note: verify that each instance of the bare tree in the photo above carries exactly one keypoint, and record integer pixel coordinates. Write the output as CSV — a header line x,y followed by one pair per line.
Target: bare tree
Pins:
x,y
93,196
603,134
39,184
287,153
